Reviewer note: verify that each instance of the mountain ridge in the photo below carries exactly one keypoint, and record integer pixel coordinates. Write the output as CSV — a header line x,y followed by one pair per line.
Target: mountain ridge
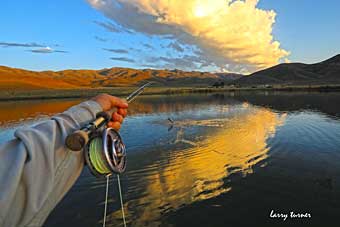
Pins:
x,y
14,78
324,72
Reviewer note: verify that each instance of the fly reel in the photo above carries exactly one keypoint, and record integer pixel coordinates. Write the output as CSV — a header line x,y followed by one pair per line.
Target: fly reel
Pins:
x,y
105,153
104,150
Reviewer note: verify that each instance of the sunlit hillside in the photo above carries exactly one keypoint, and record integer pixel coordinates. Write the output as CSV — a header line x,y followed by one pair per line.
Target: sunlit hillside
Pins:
x,y
12,78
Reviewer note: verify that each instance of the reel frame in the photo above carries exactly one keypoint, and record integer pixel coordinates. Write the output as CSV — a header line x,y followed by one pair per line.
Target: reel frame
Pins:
x,y
113,153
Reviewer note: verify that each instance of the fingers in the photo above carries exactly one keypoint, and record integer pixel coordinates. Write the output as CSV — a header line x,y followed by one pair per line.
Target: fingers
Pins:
x,y
122,112
117,117
117,102
108,102
115,125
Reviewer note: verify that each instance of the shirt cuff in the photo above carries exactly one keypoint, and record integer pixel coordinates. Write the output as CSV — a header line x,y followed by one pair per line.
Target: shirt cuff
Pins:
x,y
84,112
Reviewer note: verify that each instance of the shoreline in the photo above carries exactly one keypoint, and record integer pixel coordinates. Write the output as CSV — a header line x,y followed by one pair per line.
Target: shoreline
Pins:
x,y
11,95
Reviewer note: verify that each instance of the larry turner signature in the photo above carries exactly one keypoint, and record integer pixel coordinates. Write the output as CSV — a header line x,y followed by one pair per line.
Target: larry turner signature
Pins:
x,y
291,214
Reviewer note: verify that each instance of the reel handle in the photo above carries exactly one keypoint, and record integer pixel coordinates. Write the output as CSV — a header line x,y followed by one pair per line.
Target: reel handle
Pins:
x,y
77,140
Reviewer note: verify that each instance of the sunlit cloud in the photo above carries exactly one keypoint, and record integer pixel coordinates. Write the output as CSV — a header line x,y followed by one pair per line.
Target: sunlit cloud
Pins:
x,y
186,62
233,35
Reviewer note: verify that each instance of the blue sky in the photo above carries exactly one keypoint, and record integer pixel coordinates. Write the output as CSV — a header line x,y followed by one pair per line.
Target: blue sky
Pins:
x,y
309,29
71,34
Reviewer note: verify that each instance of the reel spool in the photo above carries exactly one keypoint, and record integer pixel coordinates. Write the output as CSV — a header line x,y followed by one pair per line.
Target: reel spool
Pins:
x,y
105,153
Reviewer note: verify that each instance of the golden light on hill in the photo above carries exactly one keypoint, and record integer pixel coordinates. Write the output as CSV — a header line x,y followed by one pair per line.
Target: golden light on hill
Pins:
x,y
20,79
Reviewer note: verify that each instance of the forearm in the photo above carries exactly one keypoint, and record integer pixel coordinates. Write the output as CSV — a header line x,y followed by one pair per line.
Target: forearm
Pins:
x,y
36,169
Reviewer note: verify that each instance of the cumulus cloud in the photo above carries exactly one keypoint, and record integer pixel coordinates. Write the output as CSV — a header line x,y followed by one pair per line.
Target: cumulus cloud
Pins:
x,y
233,35
123,59
186,62
46,50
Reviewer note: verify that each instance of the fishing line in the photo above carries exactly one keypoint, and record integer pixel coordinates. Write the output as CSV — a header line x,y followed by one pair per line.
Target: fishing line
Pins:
x,y
106,195
121,199
96,146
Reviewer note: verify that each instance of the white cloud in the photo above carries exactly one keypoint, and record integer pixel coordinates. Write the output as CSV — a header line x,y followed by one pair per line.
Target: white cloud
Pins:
x,y
47,50
233,35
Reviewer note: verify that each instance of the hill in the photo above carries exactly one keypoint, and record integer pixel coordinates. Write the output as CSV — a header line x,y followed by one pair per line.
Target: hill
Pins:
x,y
12,78
326,72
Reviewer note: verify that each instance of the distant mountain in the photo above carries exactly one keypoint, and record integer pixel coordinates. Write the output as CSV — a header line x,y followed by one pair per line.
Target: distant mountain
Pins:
x,y
12,78
326,72
229,76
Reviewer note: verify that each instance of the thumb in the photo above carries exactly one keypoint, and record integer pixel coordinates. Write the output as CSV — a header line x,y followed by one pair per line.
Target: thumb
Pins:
x,y
108,102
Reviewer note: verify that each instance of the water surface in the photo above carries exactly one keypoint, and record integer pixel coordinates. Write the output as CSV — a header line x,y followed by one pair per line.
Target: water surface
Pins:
x,y
228,160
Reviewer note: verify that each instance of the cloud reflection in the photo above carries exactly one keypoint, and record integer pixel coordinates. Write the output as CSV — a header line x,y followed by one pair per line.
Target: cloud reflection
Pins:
x,y
198,171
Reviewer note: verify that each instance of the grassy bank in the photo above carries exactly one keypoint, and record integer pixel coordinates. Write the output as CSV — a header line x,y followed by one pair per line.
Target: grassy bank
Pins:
x,y
124,91
90,92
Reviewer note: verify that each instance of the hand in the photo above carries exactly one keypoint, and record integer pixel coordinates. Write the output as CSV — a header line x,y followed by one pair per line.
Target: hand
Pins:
x,y
109,102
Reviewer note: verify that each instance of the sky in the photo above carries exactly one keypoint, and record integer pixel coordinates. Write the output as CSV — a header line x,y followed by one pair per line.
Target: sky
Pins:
x,y
239,36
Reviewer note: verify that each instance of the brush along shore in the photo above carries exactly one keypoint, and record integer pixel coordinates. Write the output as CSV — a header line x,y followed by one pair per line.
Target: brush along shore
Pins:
x,y
6,94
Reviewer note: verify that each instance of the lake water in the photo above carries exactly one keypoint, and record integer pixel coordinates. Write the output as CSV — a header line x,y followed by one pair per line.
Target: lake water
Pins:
x,y
228,160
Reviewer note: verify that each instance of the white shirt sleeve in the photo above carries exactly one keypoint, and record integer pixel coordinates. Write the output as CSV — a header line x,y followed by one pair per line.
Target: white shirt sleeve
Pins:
x,y
36,168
